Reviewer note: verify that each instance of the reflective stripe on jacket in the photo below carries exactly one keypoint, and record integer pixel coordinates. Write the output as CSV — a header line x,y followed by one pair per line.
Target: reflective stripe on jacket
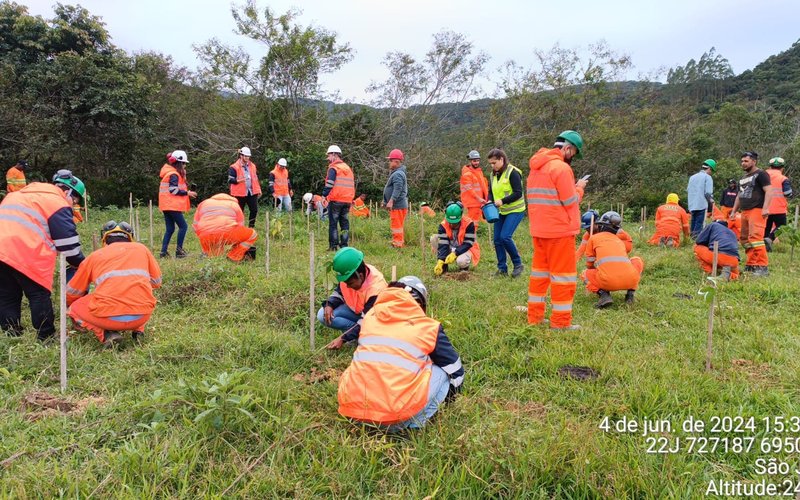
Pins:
x,y
167,200
343,189
501,187
552,196
473,186
217,215
124,275
359,208
778,205
389,377
474,249
240,188
15,179
279,181
606,252
671,219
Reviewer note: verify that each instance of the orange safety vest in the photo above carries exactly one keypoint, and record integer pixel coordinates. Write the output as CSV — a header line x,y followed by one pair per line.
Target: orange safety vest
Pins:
x,y
281,185
389,378
473,187
778,205
344,186
240,188
671,218
359,208
427,211
15,179
168,201
25,241
217,215
475,250
77,214
552,196
373,284
606,253
124,275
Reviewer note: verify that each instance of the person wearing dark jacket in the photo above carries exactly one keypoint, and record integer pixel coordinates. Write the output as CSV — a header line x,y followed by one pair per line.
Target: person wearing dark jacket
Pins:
x,y
506,193
395,197
728,249
728,197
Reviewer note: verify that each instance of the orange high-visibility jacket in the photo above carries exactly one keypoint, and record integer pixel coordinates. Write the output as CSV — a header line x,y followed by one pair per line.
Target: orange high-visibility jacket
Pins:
x,y
36,223
778,205
359,209
474,186
77,214
15,179
671,219
427,211
734,225
552,196
240,188
281,181
217,215
606,253
124,275
168,201
373,284
475,249
621,234
344,186
388,380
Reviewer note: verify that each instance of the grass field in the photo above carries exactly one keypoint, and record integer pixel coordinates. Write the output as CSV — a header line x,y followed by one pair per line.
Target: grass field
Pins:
x,y
224,397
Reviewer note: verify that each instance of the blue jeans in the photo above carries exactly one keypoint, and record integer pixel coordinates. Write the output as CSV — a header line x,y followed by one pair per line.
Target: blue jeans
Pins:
x,y
698,217
437,392
344,318
286,204
503,243
337,215
172,218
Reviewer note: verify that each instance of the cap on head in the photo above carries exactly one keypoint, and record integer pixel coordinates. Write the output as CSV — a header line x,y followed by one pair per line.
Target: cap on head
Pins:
x,y
333,148
65,178
180,155
710,164
454,212
346,262
777,162
245,151
573,138
417,289
116,228
307,197
672,198
396,154
473,155
587,217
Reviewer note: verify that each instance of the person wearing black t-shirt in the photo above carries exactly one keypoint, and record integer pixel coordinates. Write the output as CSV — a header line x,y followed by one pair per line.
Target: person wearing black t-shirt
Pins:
x,y
755,195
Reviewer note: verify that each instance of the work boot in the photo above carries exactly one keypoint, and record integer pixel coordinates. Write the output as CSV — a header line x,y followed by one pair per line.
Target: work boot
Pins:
x,y
760,271
111,339
768,244
501,274
137,335
180,253
662,242
605,300
629,297
726,273
517,271
670,242
749,269
164,255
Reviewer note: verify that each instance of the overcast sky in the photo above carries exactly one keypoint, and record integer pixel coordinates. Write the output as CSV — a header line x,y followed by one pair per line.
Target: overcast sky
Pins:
x,y
656,34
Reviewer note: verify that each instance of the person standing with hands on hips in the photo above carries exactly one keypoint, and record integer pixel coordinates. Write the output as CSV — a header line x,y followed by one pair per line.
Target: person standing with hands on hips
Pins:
x,y
506,194
243,179
754,198
395,197
174,199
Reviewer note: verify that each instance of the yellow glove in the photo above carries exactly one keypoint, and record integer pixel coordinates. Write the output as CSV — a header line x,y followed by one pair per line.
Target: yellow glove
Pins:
x,y
439,269
450,258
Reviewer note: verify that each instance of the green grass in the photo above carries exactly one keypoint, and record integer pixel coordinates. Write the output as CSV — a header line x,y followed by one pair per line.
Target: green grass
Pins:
x,y
518,429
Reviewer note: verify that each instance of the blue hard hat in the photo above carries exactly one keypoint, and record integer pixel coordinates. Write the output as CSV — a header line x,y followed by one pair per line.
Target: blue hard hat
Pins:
x,y
586,218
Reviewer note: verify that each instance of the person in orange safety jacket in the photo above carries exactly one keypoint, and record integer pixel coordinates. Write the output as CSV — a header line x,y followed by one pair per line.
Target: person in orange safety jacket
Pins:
x,y
734,224
35,225
339,190
781,191
671,219
456,241
474,187
244,183
360,209
404,368
174,200
219,222
608,267
553,199
586,224
426,210
124,273
15,177
281,186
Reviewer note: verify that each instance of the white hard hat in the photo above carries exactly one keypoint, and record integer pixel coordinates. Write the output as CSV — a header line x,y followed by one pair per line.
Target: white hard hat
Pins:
x,y
245,151
180,155
307,197
333,148
282,162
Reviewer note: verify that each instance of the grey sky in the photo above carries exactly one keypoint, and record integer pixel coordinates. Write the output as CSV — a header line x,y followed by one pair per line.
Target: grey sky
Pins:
x,y
654,33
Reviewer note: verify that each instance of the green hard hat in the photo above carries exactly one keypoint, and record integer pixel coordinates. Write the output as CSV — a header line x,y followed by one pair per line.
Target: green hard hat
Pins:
x,y
66,178
346,261
777,162
573,138
711,164
453,213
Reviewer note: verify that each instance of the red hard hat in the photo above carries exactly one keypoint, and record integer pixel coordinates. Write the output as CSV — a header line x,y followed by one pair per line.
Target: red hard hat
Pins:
x,y
396,154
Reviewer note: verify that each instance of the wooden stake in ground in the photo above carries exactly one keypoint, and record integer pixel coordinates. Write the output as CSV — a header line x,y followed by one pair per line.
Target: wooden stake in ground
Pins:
x,y
94,242
311,282
138,225
291,226
394,273
591,225
709,341
63,319
622,211
422,239
151,225
86,208
130,213
796,215
266,243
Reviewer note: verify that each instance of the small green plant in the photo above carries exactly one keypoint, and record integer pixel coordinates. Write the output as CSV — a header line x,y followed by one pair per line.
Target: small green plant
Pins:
x,y
222,403
790,235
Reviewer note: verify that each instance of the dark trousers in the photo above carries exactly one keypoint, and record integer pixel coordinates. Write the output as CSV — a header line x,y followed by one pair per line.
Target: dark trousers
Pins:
x,y
337,215
173,218
698,217
252,203
774,221
12,285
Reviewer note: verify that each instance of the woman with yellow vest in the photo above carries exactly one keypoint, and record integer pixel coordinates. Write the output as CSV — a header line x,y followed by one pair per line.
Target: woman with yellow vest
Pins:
x,y
506,194
404,367
339,190
173,200
243,179
281,186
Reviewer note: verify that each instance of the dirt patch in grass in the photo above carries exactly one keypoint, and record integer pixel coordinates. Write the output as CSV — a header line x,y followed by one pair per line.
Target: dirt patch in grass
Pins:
x,y
459,276
758,372
578,372
41,404
282,308
315,376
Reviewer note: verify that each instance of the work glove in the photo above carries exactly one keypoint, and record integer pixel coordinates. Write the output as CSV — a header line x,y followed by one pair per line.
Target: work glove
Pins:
x,y
450,258
439,269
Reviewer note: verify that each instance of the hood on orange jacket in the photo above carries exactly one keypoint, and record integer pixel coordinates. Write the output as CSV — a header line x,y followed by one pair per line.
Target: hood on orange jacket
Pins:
x,y
552,197
397,303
